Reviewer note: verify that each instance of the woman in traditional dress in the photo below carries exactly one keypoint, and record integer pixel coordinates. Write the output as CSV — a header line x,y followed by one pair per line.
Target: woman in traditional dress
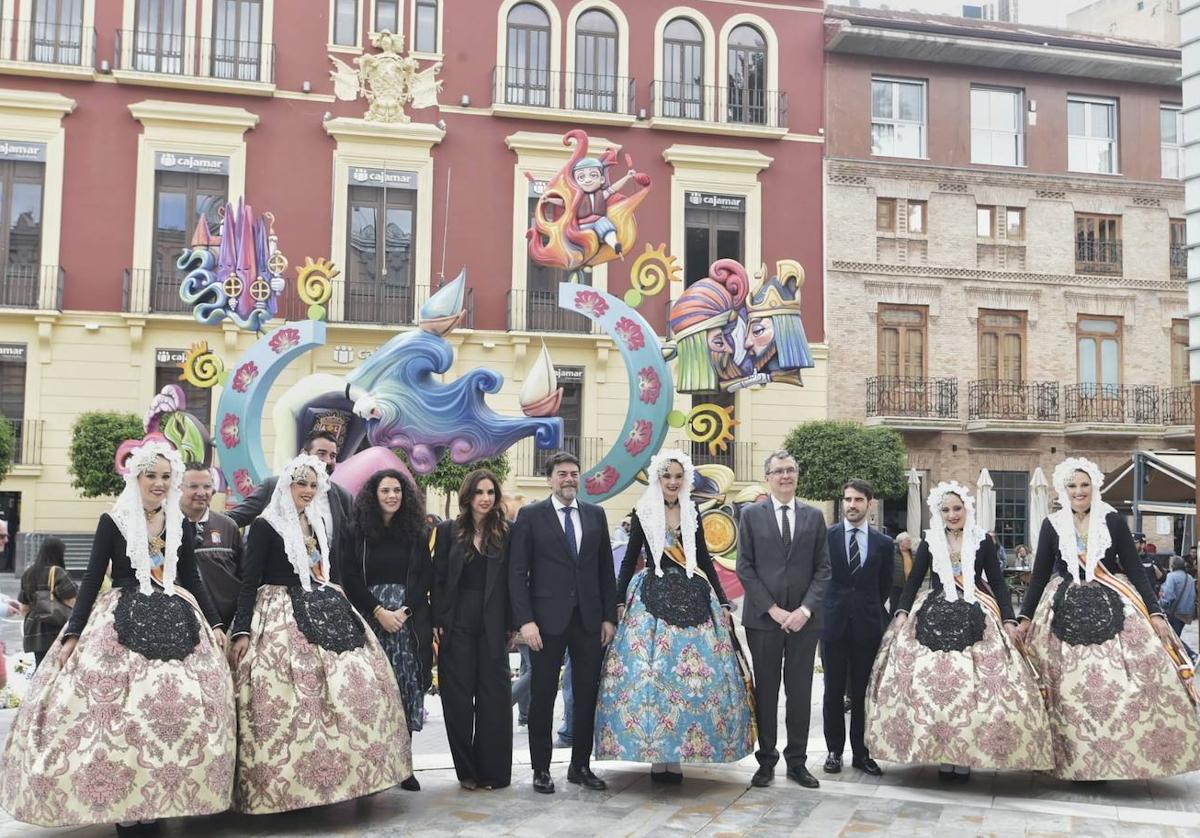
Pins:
x,y
130,717
386,573
319,714
950,685
1119,689
473,621
673,688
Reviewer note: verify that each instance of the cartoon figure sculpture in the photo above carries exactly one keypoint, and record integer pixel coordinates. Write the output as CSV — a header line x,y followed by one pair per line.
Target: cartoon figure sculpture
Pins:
x,y
167,420
387,80
583,219
775,333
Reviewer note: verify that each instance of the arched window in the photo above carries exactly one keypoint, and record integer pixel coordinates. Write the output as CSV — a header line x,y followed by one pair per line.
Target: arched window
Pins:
x,y
683,70
527,74
596,45
747,83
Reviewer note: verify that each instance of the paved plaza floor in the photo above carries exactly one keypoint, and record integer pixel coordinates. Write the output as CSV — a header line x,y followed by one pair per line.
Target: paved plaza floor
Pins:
x,y
907,801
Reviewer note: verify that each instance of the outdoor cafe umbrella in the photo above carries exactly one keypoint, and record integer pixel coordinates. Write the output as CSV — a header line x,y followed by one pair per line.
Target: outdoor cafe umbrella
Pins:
x,y
985,502
914,505
1039,506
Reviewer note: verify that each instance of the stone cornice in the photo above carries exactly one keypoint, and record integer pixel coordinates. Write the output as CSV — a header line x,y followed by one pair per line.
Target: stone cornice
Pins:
x,y
934,273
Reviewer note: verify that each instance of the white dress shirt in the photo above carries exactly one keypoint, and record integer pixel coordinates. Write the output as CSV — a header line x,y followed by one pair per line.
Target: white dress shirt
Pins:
x,y
862,541
778,506
576,520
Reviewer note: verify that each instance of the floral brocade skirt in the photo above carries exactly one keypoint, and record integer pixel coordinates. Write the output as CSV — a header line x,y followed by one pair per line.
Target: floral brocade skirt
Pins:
x,y
672,694
115,736
315,726
401,651
1117,709
979,707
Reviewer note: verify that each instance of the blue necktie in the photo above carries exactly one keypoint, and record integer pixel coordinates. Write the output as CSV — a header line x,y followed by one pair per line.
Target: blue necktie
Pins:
x,y
569,526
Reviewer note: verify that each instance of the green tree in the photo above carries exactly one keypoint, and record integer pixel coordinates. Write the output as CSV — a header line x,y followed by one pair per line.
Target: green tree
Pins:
x,y
830,453
449,475
94,442
8,444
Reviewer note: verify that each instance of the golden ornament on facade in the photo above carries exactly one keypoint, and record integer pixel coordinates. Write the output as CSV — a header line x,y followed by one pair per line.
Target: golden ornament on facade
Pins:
x,y
201,366
652,270
314,281
387,80
712,424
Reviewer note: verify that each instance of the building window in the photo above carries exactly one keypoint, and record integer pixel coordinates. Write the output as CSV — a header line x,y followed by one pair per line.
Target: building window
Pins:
x,y
1012,500
237,40
596,62
158,36
181,199
897,118
918,217
527,76
1001,345
997,126
985,222
425,27
380,277
683,70
747,82
1092,135
1014,223
542,312
1178,228
345,22
1098,343
167,370
12,394
20,232
1179,353
1097,244
570,379
56,32
387,16
710,235
885,215
1170,120
902,341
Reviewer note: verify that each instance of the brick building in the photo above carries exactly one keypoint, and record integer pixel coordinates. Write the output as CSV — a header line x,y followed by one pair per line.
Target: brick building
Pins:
x,y
1005,246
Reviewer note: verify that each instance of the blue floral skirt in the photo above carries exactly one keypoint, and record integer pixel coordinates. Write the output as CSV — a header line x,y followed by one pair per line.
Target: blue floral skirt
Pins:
x,y
401,651
672,694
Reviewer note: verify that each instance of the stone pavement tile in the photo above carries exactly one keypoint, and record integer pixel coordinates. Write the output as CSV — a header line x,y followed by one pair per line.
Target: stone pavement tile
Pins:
x,y
1160,817
1049,826
829,818
647,819
947,794
1179,793
960,819
1001,823
1061,807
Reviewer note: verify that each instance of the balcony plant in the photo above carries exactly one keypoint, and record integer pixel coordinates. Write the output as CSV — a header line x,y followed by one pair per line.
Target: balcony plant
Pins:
x,y
8,440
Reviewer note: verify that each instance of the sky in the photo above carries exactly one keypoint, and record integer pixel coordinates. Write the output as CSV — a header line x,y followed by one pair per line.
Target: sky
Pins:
x,y
1042,12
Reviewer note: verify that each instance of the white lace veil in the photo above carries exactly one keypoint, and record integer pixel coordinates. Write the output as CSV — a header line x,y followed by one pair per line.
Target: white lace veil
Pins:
x,y
939,546
1099,538
281,514
130,516
652,511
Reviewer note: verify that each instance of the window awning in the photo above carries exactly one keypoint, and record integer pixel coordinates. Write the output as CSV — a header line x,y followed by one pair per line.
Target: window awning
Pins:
x,y
1168,486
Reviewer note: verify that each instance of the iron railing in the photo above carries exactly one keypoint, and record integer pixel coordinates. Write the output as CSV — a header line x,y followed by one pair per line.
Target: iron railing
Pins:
x,y
27,440
737,456
719,103
1035,401
1097,257
1178,407
349,303
21,286
538,311
1139,404
1178,261
174,54
48,42
527,460
540,87
161,294
925,398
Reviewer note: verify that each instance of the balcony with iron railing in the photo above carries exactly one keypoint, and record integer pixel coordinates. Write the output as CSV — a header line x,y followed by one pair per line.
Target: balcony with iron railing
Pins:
x,y
535,87
915,402
719,103
1098,257
738,457
1179,410
191,57
50,44
27,440
31,286
997,404
1178,261
525,459
152,291
1086,405
538,311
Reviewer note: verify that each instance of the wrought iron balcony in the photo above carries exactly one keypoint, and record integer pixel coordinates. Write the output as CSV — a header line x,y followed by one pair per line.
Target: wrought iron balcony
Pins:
x,y
1178,261
1178,406
152,290
1026,401
1139,404
739,457
49,42
1098,257
175,54
31,286
527,460
719,103
919,398
536,87
538,311
27,440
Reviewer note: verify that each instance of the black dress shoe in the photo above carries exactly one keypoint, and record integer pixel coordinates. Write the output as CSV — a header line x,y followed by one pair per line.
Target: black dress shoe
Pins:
x,y
801,775
410,784
132,829
659,777
583,776
674,778
542,783
833,763
868,766
763,777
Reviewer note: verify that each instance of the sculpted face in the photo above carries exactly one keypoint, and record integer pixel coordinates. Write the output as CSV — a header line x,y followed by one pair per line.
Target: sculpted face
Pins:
x,y
718,342
760,336
589,180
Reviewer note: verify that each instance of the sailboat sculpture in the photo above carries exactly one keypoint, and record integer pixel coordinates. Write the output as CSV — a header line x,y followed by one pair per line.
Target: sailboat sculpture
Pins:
x,y
541,395
443,311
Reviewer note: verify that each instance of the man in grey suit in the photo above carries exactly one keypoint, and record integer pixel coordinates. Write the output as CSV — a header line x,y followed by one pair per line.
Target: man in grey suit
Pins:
x,y
783,564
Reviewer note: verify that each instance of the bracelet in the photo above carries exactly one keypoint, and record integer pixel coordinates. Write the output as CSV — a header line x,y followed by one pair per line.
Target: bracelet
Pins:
x,y
375,612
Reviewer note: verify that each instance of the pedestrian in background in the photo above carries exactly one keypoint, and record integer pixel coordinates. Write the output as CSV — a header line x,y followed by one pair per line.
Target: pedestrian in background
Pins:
x,y
1179,599
46,597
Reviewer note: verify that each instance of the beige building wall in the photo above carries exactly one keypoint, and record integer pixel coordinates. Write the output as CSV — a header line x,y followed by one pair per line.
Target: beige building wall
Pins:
x,y
1146,20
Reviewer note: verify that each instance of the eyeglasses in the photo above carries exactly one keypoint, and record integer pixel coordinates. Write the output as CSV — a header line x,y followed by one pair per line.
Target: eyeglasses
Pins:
x,y
782,472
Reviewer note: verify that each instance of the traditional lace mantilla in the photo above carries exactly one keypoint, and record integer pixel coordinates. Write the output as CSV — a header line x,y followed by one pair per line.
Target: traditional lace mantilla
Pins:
x,y
652,511
939,547
281,514
129,515
1099,539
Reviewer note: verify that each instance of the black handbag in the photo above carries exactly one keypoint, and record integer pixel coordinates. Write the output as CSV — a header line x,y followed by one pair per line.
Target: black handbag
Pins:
x,y
50,613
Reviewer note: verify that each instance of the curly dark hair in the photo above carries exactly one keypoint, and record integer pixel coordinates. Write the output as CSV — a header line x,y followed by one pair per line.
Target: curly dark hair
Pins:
x,y
495,527
408,521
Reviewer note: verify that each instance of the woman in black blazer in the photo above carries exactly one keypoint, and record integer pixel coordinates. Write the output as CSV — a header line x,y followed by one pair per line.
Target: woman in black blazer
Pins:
x,y
472,621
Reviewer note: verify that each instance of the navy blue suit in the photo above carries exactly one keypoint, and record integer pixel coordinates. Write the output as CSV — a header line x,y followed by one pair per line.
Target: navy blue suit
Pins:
x,y
850,636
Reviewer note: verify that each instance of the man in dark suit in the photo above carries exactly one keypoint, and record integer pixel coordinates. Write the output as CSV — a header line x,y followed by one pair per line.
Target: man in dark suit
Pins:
x,y
783,565
861,561
322,445
564,596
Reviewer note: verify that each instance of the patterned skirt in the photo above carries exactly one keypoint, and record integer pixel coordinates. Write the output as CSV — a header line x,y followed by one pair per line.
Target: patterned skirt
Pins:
x,y
1117,709
116,736
672,694
401,651
315,726
979,707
